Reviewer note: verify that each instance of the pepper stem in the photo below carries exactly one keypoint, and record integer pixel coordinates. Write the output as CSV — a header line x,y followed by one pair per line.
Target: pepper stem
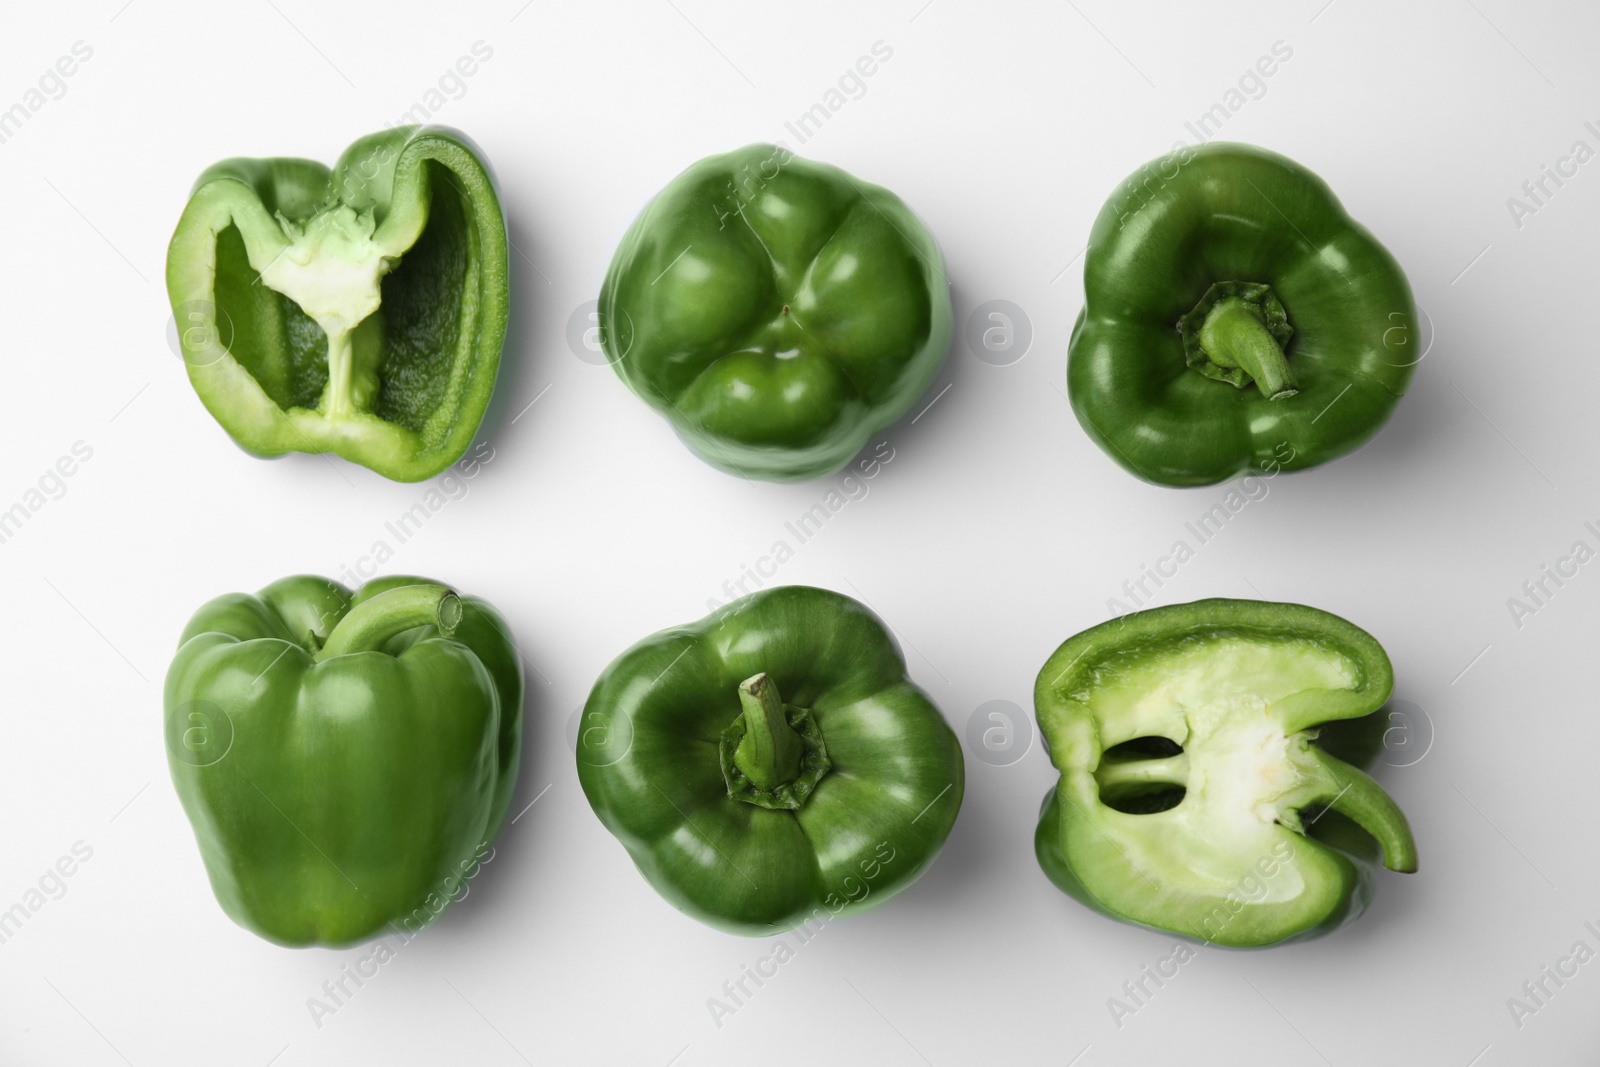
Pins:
x,y
1233,335
769,754
373,622
1353,794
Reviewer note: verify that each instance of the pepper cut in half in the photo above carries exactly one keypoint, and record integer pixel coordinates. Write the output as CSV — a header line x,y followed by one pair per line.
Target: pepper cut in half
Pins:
x,y
778,312
771,765
1235,318
359,311
343,757
1196,795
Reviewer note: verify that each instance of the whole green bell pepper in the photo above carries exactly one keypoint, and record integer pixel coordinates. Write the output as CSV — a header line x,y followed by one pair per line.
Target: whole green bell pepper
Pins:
x,y
778,312
771,765
343,757
1235,318
359,311
1187,738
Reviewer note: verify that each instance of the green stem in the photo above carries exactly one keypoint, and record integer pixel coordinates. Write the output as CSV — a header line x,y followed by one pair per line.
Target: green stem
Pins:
x,y
1233,335
769,755
1353,794
373,622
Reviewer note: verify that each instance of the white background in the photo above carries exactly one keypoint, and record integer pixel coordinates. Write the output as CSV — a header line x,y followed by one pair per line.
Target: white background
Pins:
x,y
997,530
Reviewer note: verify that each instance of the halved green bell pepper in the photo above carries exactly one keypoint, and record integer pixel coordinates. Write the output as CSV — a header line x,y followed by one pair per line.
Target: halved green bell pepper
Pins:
x,y
778,312
1196,795
1235,318
343,757
359,311
771,765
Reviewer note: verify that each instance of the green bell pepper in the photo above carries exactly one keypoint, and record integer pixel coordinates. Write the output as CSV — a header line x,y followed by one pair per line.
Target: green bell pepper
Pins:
x,y
778,312
343,757
359,311
1235,318
771,765
1188,743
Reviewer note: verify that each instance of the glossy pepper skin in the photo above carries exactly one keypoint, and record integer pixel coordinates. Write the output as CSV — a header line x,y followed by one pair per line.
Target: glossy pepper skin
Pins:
x,y
359,311
778,312
1233,316
771,765
343,757
1188,743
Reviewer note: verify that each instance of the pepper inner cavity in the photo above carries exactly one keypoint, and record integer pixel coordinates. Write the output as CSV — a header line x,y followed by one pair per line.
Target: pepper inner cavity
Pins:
x,y
333,270
1143,776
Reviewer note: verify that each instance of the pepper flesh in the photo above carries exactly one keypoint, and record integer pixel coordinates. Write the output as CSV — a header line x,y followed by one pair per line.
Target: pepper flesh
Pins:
x,y
1184,265
343,757
845,795
1187,741
359,310
778,312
